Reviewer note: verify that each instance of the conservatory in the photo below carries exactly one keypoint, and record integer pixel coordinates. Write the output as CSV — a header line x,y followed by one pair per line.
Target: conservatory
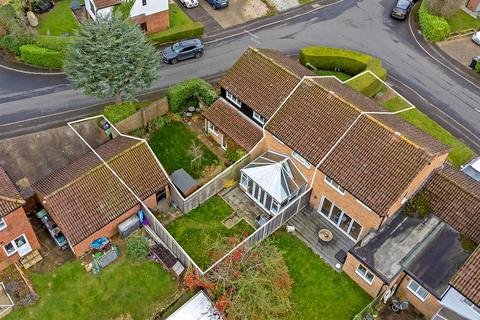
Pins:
x,y
272,181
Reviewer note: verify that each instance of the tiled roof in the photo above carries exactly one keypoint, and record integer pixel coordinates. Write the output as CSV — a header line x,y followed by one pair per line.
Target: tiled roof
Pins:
x,y
455,198
100,4
10,198
371,161
85,196
263,78
467,279
235,125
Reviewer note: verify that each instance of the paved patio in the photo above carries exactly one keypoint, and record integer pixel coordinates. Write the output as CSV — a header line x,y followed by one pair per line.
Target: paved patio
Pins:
x,y
244,207
307,223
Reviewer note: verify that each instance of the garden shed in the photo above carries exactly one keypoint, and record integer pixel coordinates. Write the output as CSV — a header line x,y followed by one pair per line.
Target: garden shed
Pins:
x,y
184,182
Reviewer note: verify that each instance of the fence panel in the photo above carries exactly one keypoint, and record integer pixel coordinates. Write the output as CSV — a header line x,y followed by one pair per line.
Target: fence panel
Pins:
x,y
169,241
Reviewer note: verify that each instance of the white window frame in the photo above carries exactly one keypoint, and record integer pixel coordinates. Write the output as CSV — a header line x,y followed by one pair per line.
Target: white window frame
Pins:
x,y
302,160
258,117
471,305
347,233
244,177
3,224
363,275
212,128
334,185
224,144
415,291
233,99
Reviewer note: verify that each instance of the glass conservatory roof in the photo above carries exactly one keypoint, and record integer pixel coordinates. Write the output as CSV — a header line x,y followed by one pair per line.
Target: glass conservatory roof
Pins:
x,y
276,174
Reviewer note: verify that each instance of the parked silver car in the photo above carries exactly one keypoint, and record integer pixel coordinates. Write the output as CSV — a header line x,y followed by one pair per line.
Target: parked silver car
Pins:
x,y
189,3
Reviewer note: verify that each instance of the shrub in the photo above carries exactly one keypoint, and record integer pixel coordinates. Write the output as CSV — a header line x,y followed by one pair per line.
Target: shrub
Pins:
x,y
189,30
42,57
477,66
9,20
350,62
188,93
54,43
13,42
434,28
137,248
117,112
158,123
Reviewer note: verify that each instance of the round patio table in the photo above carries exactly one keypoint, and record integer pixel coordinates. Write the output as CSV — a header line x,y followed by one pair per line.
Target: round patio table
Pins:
x,y
325,235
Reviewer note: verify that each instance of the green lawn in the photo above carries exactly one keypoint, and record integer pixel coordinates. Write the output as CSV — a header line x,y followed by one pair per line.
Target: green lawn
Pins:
x,y
319,292
460,153
461,21
340,75
198,229
176,16
124,287
171,144
58,20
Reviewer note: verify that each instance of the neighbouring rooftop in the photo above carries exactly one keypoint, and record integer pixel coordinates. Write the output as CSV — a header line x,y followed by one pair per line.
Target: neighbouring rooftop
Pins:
x,y
10,198
467,279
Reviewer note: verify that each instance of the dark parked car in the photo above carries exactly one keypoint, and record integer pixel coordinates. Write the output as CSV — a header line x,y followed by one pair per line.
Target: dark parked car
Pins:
x,y
42,6
401,9
183,50
218,4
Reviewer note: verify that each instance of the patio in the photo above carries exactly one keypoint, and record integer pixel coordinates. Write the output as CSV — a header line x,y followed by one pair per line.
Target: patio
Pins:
x,y
307,223
244,207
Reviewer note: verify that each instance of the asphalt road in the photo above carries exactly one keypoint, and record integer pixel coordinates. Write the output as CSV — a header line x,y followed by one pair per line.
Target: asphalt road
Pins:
x,y
358,25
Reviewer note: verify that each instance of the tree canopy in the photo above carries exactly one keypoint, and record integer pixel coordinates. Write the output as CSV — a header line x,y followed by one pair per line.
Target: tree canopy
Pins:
x,y
111,58
252,284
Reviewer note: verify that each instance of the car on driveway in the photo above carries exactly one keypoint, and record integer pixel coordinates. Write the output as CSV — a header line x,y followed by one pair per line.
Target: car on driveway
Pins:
x,y
183,50
218,4
189,3
473,169
476,37
401,9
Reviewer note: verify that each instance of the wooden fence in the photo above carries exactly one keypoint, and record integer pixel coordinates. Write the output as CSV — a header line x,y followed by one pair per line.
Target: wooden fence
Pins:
x,y
142,117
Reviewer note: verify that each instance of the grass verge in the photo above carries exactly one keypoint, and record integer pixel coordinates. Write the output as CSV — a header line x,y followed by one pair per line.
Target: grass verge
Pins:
x,y
58,21
460,153
319,292
69,292
461,21
176,16
197,230
171,145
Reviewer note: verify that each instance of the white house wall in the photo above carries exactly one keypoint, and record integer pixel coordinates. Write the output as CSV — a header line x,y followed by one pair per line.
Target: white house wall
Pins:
x,y
88,6
152,6
453,301
105,12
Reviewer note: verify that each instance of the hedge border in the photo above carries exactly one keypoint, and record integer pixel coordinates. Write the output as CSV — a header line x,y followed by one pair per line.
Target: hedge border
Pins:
x,y
433,27
189,30
347,61
42,57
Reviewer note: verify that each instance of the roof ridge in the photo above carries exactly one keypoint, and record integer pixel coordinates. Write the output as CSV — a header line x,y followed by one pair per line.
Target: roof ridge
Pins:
x,y
259,51
19,201
96,168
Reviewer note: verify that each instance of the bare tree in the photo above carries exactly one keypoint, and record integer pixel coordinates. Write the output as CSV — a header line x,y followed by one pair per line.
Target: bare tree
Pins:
x,y
196,152
443,8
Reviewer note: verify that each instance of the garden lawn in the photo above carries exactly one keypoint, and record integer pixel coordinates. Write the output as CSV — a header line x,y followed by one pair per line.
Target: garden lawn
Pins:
x,y
342,76
319,292
171,145
69,292
176,16
196,230
461,21
59,20
460,153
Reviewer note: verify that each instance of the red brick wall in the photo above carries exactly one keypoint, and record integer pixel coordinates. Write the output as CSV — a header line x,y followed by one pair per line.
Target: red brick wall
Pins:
x,y
110,229
473,5
17,224
155,22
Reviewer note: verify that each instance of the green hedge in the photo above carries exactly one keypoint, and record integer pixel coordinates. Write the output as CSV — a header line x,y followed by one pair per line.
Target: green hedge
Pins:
x,y
117,112
42,57
188,93
54,42
189,30
349,62
13,42
434,28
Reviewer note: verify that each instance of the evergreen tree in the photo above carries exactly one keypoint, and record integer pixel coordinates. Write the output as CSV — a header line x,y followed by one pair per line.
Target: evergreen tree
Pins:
x,y
111,58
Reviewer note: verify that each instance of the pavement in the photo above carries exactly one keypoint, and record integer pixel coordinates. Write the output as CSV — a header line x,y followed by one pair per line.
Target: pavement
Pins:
x,y
30,103
461,49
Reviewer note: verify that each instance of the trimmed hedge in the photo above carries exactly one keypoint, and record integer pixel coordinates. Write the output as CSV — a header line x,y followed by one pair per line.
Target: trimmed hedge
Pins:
x,y
349,62
54,42
434,28
42,57
13,42
188,93
189,30
117,112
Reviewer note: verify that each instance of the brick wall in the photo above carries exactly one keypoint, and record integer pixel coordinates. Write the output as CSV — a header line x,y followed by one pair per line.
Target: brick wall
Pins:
x,y
473,5
351,264
155,22
429,307
110,229
17,224
218,138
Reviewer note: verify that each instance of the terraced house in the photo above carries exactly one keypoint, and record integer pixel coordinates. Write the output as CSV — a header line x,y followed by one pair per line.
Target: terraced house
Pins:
x,y
363,166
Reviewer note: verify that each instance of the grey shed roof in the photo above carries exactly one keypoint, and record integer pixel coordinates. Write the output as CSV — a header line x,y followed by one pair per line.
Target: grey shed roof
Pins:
x,y
183,181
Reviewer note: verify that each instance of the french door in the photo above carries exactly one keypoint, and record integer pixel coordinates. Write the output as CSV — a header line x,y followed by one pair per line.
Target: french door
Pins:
x,y
340,219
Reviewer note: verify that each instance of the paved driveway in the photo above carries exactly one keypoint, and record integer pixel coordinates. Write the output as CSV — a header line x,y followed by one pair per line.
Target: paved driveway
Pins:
x,y
461,49
237,12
